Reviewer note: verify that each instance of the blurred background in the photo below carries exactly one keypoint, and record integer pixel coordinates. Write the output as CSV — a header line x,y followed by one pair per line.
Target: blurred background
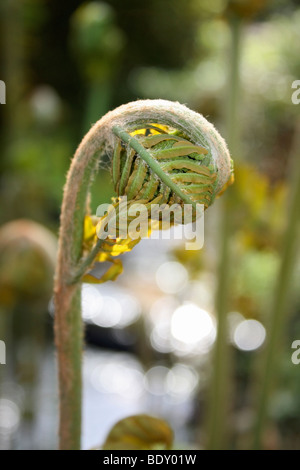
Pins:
x,y
150,335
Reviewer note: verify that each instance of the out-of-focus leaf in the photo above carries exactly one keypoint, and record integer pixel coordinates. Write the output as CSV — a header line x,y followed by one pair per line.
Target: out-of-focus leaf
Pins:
x,y
260,204
140,432
252,187
110,275
89,230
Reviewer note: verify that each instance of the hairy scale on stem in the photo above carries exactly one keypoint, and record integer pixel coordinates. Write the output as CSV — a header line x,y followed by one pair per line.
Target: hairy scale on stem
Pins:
x,y
179,156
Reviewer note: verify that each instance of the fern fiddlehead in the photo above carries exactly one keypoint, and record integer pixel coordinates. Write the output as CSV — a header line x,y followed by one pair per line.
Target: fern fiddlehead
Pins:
x,y
174,171
161,152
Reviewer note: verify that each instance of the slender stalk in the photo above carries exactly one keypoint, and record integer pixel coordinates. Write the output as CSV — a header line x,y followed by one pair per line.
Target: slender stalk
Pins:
x,y
68,323
280,304
217,427
69,334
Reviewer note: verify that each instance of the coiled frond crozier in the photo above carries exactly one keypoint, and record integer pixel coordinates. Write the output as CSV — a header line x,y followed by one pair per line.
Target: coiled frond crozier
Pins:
x,y
187,165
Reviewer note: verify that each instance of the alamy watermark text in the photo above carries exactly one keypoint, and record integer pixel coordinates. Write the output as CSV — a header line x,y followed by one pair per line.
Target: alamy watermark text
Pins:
x,y
132,219
2,352
2,92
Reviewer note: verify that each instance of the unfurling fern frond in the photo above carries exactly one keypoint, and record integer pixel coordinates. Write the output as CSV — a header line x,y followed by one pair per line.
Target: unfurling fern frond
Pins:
x,y
161,152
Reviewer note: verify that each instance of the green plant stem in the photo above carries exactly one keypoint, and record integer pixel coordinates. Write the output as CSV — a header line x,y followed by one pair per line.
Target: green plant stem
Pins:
x,y
69,339
217,427
280,304
68,326
69,342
